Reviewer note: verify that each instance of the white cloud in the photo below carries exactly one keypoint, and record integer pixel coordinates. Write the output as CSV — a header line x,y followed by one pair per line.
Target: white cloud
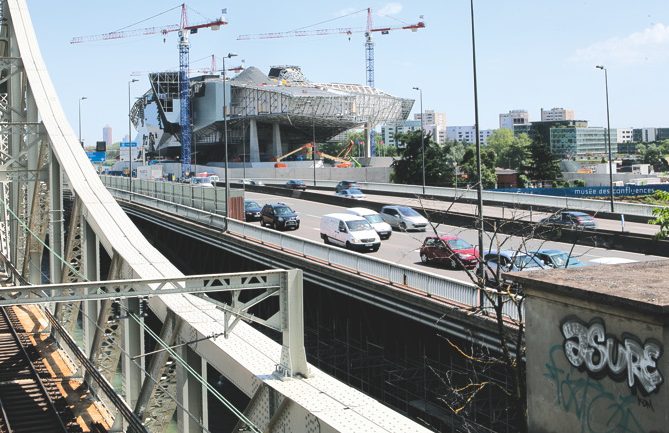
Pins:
x,y
650,44
389,9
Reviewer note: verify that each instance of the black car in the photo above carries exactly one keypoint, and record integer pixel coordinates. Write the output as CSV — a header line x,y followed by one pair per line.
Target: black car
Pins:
x,y
279,216
296,184
571,219
345,184
252,210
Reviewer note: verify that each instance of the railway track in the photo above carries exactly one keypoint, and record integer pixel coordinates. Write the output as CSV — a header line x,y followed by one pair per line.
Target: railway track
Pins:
x,y
30,399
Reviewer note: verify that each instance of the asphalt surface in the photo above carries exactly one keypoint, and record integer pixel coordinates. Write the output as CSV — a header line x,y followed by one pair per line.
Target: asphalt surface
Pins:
x,y
403,247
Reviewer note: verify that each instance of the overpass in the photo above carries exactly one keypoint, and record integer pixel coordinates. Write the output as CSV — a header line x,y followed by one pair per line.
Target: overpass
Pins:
x,y
99,264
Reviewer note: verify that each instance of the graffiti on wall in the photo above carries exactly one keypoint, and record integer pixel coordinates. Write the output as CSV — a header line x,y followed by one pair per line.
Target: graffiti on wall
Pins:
x,y
588,348
596,408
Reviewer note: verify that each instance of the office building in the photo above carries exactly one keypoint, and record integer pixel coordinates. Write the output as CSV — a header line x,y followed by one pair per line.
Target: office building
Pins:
x,y
467,134
513,118
390,129
556,114
107,135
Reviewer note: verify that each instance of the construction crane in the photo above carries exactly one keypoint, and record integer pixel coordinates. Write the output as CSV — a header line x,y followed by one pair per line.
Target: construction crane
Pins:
x,y
184,30
368,31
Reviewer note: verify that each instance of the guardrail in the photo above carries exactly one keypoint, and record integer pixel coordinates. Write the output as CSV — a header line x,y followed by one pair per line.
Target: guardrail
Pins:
x,y
509,198
457,292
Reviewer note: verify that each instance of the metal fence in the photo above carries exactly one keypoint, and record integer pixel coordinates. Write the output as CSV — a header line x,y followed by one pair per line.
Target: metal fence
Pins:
x,y
181,200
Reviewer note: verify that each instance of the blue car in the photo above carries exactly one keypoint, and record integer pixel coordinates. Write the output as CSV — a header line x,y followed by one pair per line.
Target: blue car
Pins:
x,y
512,261
557,259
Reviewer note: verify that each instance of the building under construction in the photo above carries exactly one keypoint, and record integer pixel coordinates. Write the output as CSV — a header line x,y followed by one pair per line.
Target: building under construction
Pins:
x,y
267,115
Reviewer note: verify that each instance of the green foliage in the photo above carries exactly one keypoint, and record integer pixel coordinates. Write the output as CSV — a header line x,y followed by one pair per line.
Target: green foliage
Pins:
x,y
488,164
439,160
661,214
386,150
653,154
578,183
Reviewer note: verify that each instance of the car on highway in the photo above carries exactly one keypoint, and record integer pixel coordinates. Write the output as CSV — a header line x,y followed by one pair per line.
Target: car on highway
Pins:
x,y
557,259
572,219
201,182
251,182
510,261
296,184
449,250
279,216
350,231
352,193
345,184
403,218
382,228
252,210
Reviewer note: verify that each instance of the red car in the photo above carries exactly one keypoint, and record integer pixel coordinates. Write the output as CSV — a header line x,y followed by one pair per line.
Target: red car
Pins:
x,y
445,248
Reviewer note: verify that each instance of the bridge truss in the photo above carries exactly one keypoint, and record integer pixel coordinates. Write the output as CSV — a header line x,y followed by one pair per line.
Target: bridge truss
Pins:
x,y
41,161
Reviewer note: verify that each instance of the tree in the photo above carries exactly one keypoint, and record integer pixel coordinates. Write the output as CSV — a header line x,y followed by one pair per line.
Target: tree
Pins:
x,y
545,165
661,214
440,160
488,164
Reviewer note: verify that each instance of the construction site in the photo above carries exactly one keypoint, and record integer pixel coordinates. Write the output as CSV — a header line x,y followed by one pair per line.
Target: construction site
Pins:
x,y
269,118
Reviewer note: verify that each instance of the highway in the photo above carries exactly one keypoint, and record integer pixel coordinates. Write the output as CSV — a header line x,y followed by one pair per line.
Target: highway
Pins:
x,y
402,248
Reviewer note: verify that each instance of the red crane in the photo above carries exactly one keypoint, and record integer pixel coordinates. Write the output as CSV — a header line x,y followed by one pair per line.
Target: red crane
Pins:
x,y
368,31
184,30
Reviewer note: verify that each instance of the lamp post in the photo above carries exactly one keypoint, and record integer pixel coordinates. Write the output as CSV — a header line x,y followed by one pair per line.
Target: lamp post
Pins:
x,y
225,135
455,175
313,147
479,188
80,140
134,80
608,133
422,135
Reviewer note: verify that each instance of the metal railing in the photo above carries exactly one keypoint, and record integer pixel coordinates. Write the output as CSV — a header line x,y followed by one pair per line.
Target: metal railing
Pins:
x,y
509,198
459,293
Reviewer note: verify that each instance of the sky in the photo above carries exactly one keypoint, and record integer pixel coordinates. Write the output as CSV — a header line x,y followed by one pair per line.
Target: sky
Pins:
x,y
530,54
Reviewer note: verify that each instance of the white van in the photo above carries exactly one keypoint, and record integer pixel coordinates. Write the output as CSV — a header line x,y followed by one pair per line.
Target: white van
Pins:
x,y
382,228
350,231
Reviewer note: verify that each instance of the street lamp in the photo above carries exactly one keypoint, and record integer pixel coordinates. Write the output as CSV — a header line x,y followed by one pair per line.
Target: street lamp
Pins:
x,y
134,80
422,135
225,136
479,188
608,133
80,140
455,175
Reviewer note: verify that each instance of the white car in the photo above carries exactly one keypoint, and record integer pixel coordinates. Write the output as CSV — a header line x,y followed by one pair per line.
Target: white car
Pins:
x,y
353,193
382,228
201,182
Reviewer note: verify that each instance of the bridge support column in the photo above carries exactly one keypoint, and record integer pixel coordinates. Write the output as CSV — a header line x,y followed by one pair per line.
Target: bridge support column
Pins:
x,y
254,148
190,393
90,254
155,406
133,345
293,355
276,139
56,220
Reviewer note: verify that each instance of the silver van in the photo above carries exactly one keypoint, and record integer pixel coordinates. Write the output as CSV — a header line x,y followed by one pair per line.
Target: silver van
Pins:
x,y
382,228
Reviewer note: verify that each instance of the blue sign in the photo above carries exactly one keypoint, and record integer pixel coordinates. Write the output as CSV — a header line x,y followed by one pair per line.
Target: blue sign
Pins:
x,y
591,191
97,157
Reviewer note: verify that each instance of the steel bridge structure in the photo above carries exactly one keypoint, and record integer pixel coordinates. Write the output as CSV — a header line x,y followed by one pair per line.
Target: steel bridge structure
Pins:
x,y
95,264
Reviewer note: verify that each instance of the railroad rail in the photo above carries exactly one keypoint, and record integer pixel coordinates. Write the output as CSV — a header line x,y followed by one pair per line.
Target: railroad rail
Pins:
x,y
30,399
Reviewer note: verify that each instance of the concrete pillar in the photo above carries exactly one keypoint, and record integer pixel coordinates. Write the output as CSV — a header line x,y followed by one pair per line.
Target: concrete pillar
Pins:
x,y
276,139
253,141
596,348
189,392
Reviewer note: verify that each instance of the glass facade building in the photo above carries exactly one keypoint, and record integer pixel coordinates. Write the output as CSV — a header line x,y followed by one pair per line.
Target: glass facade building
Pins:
x,y
571,142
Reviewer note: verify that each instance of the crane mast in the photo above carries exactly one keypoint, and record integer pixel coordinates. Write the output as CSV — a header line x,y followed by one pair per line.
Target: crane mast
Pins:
x,y
183,29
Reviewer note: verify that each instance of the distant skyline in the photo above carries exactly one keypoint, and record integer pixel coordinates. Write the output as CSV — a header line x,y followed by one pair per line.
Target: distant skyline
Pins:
x,y
530,54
